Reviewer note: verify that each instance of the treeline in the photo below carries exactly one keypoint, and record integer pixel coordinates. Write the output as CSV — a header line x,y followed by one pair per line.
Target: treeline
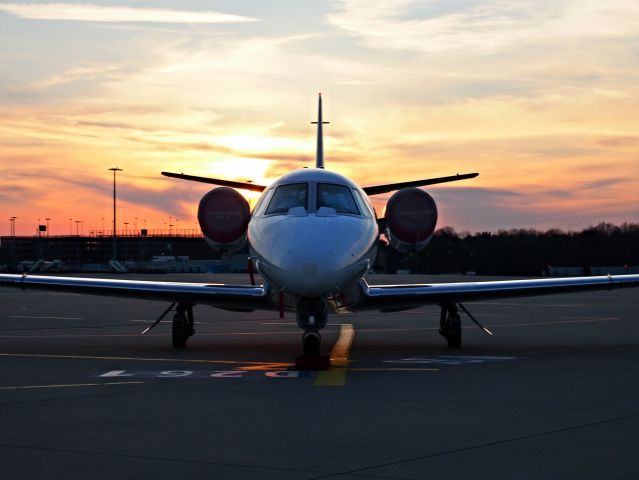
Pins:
x,y
518,251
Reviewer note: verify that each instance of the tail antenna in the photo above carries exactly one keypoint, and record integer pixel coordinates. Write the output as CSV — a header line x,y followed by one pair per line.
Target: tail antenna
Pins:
x,y
319,158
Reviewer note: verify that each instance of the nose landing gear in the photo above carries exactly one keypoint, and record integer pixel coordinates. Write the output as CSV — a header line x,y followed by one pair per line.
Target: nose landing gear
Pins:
x,y
312,316
311,341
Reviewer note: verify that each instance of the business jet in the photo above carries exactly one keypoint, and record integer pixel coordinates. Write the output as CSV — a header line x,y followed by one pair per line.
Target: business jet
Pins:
x,y
312,235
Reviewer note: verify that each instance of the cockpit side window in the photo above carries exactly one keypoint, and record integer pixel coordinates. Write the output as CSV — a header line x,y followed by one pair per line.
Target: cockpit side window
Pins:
x,y
364,206
288,196
263,202
338,197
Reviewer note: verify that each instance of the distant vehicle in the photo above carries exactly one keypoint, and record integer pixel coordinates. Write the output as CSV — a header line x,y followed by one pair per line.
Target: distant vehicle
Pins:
x,y
313,236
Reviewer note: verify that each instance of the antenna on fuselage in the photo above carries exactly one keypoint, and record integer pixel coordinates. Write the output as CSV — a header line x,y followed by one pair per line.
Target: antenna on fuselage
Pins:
x,y
319,157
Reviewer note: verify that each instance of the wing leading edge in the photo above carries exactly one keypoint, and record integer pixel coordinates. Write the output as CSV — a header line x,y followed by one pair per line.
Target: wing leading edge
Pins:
x,y
373,190
217,181
243,297
398,297
389,187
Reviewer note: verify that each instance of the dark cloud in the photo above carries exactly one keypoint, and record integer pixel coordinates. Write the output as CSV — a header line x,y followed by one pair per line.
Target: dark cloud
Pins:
x,y
563,194
480,209
603,183
179,199
14,194
477,193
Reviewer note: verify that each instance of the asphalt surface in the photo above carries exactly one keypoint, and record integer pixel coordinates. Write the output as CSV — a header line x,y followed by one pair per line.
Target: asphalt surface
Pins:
x,y
553,394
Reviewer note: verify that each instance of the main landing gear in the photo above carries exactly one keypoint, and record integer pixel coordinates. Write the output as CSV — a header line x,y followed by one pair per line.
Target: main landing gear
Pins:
x,y
182,325
312,316
450,324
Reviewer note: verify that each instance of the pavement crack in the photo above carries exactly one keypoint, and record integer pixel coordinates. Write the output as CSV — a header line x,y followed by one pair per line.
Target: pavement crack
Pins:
x,y
480,446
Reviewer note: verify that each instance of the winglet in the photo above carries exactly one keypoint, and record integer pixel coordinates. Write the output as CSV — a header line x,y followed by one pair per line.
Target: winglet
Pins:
x,y
319,157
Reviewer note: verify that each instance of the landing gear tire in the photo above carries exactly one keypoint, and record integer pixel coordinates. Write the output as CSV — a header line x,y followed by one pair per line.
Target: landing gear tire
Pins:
x,y
311,359
312,316
311,342
180,330
450,326
182,326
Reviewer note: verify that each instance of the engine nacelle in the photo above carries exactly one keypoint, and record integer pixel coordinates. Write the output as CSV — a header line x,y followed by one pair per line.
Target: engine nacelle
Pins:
x,y
411,216
224,215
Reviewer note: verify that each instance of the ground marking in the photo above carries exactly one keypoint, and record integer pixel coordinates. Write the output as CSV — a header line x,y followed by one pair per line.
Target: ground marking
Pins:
x,y
362,331
363,369
451,360
225,334
200,374
46,318
139,359
30,387
336,375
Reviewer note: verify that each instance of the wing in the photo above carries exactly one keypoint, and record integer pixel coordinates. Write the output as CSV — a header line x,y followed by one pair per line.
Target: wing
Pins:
x,y
236,297
400,297
389,187
217,181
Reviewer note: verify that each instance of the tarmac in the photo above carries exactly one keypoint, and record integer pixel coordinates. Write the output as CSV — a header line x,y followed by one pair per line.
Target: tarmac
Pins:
x,y
554,393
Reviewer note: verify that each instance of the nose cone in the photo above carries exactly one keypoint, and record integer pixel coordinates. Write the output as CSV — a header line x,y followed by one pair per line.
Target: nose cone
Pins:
x,y
311,256
310,269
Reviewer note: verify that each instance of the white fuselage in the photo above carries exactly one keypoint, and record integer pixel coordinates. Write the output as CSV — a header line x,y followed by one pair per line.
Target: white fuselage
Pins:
x,y
311,249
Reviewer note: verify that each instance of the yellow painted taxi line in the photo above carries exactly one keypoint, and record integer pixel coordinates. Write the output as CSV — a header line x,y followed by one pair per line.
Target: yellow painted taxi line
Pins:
x,y
336,375
266,367
339,354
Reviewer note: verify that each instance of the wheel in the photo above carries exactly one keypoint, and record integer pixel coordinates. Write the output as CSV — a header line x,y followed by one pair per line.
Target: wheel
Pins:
x,y
180,332
453,331
311,341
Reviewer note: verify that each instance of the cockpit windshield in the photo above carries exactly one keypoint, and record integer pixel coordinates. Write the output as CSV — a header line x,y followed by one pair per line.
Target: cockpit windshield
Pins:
x,y
288,196
338,197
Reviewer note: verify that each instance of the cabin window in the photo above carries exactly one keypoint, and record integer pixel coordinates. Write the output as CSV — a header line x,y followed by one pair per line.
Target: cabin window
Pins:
x,y
338,197
288,196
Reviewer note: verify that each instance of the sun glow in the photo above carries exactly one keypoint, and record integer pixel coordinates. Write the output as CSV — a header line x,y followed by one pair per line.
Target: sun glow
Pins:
x,y
261,144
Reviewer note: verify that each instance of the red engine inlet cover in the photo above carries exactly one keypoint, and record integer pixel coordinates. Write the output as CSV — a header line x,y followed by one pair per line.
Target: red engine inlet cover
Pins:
x,y
411,217
224,215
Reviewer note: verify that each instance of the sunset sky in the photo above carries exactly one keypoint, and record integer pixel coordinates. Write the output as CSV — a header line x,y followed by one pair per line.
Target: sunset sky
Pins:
x,y
541,98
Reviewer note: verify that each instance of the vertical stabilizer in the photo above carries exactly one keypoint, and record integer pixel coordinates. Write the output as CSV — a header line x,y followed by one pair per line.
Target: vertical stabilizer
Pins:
x,y
319,157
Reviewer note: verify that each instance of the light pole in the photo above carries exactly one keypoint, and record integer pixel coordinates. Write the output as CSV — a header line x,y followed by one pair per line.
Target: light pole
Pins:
x,y
47,219
13,225
77,228
115,225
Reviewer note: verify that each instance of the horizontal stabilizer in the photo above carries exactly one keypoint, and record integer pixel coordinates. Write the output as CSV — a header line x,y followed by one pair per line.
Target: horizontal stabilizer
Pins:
x,y
389,187
216,181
